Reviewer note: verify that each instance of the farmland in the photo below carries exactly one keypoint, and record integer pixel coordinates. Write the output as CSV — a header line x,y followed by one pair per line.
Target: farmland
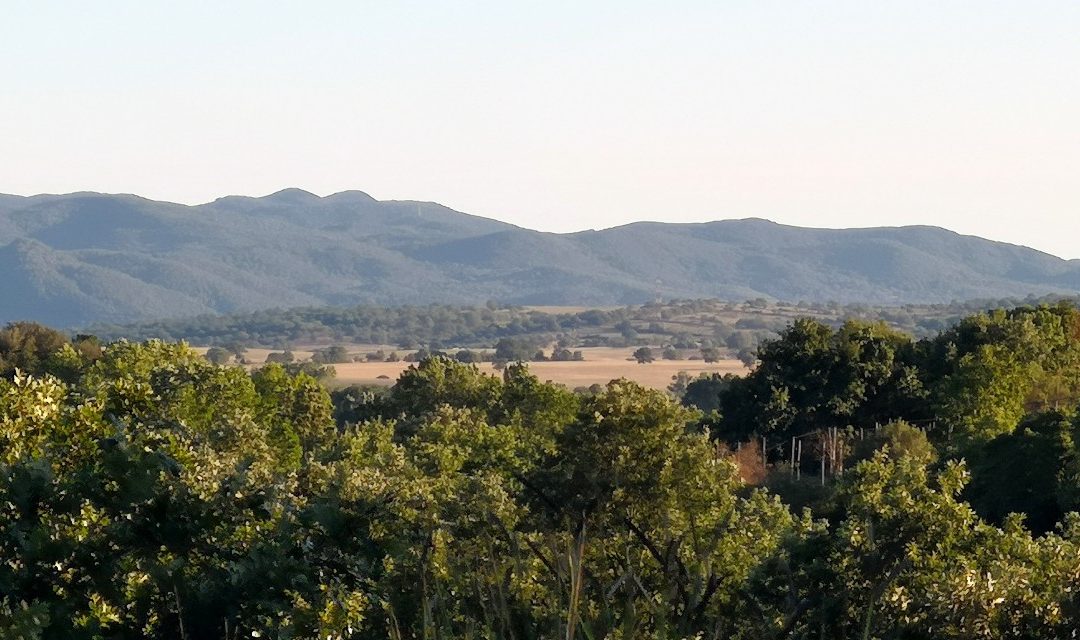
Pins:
x,y
601,365
727,325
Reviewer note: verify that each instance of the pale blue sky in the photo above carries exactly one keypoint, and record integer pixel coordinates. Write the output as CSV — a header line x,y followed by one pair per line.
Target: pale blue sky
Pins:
x,y
564,115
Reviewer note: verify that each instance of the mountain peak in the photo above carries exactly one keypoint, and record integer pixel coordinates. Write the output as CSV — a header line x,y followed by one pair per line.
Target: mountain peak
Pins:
x,y
291,195
351,195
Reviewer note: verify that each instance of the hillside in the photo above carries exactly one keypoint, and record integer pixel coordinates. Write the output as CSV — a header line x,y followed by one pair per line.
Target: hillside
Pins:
x,y
86,257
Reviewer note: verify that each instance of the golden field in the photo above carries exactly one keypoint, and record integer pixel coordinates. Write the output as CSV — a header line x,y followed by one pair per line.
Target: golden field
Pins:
x,y
601,365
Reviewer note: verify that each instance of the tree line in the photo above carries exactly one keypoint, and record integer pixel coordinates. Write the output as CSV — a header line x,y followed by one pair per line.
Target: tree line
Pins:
x,y
730,326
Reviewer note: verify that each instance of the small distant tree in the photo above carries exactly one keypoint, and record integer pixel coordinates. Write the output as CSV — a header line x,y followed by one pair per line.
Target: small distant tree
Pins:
x,y
626,330
644,355
321,372
741,340
237,349
683,340
219,356
578,356
468,355
280,357
747,356
710,354
331,355
393,357
561,354
670,353
514,349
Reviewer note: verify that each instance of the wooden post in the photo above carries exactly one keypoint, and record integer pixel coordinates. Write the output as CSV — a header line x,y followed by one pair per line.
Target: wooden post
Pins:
x,y
764,458
792,454
839,453
828,450
798,462
835,450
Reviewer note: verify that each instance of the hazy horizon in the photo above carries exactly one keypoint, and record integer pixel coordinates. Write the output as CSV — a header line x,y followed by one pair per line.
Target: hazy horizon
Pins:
x,y
562,116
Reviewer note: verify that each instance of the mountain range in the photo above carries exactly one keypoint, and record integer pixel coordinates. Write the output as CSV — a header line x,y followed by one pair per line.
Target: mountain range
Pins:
x,y
81,258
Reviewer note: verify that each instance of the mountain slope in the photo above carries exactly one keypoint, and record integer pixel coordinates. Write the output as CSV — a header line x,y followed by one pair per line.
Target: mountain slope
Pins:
x,y
86,257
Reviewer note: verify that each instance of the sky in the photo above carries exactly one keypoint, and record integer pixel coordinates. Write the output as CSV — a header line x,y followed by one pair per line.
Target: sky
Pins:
x,y
563,116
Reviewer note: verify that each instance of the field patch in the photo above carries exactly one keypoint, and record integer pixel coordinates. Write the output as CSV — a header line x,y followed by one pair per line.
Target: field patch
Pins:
x,y
601,365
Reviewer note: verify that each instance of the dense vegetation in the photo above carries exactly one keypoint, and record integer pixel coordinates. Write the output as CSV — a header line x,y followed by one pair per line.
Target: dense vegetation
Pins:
x,y
680,324
80,258
149,493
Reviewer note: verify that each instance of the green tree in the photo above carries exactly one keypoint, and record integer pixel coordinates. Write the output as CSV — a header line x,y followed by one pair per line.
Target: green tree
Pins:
x,y
984,372
280,357
218,355
28,346
335,354
909,559
711,354
514,350
898,439
629,477
705,391
1026,472
813,377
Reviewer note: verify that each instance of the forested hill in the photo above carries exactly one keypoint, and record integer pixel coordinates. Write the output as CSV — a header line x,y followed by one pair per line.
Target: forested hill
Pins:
x,y
86,257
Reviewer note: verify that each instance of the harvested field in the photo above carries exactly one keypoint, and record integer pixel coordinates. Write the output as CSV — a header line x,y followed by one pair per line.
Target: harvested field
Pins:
x,y
601,365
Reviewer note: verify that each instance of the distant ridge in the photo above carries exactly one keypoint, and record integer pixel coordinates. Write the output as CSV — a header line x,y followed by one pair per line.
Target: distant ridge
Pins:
x,y
82,258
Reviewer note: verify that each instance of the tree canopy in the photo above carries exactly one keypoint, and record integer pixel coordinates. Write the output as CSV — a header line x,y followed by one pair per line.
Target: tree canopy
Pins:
x,y
146,492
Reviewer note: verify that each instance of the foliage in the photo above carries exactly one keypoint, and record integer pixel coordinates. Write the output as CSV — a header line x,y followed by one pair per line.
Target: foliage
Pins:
x,y
986,372
146,492
908,559
897,439
1028,471
813,377
27,346
335,354
218,355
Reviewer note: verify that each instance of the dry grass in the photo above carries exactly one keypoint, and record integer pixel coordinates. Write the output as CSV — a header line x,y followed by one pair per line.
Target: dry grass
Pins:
x,y
601,365
551,308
